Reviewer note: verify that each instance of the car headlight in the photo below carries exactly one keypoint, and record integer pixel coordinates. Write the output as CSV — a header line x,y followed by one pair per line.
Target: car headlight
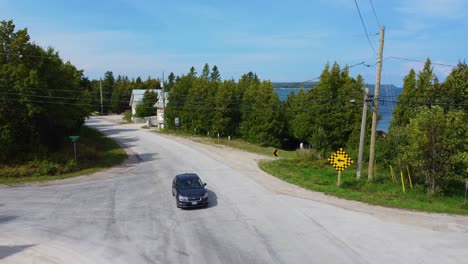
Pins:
x,y
205,195
183,198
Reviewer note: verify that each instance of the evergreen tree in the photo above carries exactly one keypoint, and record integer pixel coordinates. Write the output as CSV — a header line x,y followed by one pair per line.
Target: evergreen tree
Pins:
x,y
206,72
215,76
115,98
298,116
261,115
332,117
404,111
225,110
170,82
193,72
199,105
107,88
176,104
454,90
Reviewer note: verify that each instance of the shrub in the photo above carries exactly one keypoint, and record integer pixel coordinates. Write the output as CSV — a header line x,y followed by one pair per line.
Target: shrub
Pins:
x,y
308,154
128,116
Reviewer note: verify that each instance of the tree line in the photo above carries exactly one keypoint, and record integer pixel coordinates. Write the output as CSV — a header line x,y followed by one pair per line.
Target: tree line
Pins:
x,y
428,135
42,99
250,108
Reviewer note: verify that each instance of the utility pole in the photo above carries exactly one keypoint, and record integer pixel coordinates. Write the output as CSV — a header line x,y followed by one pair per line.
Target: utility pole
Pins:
x,y
363,132
164,101
370,172
100,89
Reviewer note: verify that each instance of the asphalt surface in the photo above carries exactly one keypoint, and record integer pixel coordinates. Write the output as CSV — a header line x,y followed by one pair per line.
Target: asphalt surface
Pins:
x,y
128,215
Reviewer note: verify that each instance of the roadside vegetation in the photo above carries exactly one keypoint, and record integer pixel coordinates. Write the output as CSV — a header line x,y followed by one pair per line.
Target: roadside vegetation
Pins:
x,y
383,190
95,152
43,101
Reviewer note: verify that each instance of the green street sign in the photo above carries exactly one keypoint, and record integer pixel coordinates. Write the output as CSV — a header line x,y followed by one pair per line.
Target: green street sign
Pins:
x,y
74,138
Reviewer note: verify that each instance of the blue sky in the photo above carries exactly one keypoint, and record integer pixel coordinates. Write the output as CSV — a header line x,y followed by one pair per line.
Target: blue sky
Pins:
x,y
279,40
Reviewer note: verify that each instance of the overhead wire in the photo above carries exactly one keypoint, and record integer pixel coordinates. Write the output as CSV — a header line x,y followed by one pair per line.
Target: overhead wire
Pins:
x,y
421,61
375,14
365,28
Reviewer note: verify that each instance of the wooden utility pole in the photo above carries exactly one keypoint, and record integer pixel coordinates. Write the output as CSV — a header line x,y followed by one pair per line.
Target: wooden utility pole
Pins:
x,y
363,133
370,172
100,89
164,101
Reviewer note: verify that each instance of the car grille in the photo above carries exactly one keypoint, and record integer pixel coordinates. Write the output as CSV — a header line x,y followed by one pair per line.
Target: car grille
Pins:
x,y
191,199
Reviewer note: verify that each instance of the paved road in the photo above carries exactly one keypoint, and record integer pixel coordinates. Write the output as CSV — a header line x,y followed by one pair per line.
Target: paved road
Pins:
x,y
129,216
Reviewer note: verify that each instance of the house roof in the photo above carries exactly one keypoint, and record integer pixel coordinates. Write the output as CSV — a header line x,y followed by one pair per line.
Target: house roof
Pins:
x,y
137,95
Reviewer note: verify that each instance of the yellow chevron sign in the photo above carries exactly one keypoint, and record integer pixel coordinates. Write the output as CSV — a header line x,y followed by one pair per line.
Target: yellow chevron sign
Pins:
x,y
340,160
275,153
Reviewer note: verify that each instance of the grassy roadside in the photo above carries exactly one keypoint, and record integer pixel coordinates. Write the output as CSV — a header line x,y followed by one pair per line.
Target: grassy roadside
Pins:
x,y
233,143
320,176
95,152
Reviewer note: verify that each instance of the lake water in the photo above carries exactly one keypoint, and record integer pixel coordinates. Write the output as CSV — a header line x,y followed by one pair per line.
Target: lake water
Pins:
x,y
388,95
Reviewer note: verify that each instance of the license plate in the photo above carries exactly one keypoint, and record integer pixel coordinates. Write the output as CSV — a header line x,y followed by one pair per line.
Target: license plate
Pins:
x,y
194,203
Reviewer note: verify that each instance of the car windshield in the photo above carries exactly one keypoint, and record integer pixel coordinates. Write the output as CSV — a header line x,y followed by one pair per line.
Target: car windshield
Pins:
x,y
194,183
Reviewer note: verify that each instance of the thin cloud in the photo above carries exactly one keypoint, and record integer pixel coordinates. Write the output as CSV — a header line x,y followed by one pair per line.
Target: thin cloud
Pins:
x,y
450,9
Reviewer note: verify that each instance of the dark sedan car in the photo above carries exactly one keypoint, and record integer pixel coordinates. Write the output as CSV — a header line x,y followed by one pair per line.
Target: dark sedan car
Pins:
x,y
189,191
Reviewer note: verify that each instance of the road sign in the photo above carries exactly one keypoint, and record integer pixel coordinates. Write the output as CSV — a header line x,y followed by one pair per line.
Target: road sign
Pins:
x,y
176,121
276,152
340,160
74,138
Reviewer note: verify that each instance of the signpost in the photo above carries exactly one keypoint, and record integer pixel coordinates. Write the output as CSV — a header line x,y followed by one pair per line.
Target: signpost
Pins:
x,y
340,161
176,121
74,139
275,153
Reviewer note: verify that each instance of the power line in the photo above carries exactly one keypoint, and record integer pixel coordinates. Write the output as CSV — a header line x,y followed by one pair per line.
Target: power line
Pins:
x,y
375,14
421,61
344,69
365,29
20,55
48,89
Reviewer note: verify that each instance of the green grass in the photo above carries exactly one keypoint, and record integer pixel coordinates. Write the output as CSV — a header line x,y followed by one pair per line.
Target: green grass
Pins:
x,y
321,177
233,143
95,153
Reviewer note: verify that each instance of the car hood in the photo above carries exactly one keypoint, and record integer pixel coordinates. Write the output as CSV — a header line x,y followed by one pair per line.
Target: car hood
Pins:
x,y
192,192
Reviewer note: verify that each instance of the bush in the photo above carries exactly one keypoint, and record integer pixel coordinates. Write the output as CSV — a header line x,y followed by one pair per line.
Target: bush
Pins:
x,y
128,116
47,168
308,154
